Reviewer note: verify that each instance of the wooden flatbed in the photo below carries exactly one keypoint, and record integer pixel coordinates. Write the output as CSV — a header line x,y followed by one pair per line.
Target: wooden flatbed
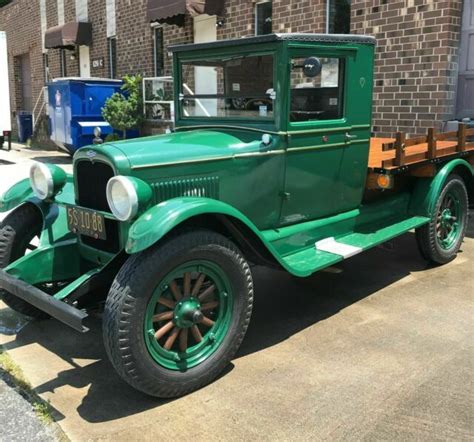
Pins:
x,y
395,155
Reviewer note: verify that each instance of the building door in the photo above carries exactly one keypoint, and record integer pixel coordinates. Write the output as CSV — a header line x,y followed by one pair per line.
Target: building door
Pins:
x,y
205,77
84,62
25,72
465,97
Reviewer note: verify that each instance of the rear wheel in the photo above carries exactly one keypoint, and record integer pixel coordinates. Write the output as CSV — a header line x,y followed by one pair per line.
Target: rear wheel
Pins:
x,y
177,313
18,233
440,240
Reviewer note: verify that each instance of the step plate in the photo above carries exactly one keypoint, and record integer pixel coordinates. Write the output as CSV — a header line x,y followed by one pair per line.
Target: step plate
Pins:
x,y
337,248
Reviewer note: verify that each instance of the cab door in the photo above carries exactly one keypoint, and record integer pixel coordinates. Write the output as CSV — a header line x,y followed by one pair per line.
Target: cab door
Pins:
x,y
321,133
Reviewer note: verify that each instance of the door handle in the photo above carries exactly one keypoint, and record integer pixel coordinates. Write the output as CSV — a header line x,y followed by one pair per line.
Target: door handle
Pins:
x,y
350,137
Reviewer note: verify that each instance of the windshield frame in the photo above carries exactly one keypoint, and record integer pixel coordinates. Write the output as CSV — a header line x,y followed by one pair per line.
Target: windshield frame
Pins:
x,y
183,58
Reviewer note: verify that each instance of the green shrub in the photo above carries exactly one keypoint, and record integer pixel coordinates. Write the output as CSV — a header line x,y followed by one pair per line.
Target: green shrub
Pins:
x,y
124,110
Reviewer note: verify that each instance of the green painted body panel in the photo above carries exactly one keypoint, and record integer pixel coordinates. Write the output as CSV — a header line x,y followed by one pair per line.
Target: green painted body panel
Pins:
x,y
306,185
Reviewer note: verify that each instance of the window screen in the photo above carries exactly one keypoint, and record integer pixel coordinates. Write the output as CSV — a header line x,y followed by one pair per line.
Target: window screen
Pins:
x,y
319,97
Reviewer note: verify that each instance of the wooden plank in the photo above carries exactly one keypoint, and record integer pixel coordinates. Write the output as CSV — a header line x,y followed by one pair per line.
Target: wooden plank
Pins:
x,y
414,141
400,149
470,132
462,137
371,182
447,135
432,143
388,146
425,171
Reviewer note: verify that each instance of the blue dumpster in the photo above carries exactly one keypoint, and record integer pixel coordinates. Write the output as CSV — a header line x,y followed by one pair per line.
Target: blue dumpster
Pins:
x,y
75,109
24,121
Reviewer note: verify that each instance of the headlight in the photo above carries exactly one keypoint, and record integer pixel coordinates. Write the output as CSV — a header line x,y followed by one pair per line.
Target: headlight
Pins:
x,y
126,195
46,180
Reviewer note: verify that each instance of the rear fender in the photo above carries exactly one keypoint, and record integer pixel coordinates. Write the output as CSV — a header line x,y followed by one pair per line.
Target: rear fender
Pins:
x,y
161,219
427,190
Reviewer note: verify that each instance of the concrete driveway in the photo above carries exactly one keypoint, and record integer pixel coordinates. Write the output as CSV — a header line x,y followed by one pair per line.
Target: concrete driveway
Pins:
x,y
379,349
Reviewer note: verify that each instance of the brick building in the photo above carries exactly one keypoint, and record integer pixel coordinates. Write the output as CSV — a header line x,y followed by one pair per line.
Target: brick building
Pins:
x,y
423,75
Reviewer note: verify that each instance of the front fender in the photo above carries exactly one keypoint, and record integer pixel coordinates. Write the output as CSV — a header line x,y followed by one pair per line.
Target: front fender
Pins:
x,y
159,220
427,190
15,195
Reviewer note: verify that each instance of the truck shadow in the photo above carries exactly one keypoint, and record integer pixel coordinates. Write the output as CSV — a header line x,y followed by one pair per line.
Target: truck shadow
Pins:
x,y
284,306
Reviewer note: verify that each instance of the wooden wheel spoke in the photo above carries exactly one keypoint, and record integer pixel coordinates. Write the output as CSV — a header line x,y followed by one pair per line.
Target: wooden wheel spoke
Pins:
x,y
167,302
171,338
196,333
209,306
187,284
206,293
198,284
207,322
175,290
163,330
163,316
183,339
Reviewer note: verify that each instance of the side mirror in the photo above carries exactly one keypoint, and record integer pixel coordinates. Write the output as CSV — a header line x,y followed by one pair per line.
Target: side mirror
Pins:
x,y
312,67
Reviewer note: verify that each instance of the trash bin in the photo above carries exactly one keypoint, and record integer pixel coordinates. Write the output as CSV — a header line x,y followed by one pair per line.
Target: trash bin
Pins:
x,y
75,109
25,126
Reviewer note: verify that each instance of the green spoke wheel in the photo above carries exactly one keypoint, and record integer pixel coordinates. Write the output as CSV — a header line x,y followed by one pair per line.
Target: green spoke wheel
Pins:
x,y
188,315
440,240
177,313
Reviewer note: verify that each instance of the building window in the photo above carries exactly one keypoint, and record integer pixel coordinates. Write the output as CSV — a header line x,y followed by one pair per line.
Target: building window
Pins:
x,y
112,43
158,51
263,18
338,16
63,62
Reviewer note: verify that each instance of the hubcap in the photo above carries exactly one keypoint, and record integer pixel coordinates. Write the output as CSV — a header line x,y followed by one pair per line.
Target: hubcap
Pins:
x,y
188,315
448,222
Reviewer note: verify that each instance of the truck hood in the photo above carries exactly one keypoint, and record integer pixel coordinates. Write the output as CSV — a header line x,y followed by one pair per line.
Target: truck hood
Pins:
x,y
182,147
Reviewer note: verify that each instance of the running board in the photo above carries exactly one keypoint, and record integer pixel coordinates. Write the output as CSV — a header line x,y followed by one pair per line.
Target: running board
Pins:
x,y
330,251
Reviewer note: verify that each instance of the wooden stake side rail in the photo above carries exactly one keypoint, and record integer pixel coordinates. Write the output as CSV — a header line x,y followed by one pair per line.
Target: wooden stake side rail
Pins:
x,y
390,154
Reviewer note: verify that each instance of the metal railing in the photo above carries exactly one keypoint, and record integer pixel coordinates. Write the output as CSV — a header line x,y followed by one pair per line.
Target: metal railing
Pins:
x,y
40,104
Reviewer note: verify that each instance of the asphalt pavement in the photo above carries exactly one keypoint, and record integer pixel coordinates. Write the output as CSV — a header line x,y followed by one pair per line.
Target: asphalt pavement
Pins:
x,y
379,348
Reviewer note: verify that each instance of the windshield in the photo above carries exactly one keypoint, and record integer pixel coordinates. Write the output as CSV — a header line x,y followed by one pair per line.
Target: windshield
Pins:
x,y
234,88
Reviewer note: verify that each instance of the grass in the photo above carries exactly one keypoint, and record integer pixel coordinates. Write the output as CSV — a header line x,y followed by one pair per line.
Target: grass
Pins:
x,y
16,379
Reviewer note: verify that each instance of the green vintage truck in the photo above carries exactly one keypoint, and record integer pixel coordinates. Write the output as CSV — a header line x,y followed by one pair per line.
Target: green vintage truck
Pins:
x,y
271,163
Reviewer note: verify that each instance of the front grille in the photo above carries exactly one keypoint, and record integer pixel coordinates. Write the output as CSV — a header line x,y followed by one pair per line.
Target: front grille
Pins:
x,y
92,179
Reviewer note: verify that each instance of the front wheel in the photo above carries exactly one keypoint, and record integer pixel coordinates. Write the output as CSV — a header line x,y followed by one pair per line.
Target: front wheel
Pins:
x,y
440,240
177,313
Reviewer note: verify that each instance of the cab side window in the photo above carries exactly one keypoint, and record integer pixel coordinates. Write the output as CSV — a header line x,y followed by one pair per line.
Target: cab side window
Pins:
x,y
316,89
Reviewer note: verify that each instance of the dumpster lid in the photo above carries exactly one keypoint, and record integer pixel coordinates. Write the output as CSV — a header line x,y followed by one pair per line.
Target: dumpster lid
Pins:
x,y
85,80
68,35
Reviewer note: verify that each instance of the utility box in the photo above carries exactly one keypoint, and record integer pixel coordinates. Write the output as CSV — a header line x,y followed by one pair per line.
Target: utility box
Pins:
x,y
5,115
75,109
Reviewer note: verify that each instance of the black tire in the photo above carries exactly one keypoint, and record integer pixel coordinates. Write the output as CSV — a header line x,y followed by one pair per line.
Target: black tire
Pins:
x,y
124,315
16,233
427,235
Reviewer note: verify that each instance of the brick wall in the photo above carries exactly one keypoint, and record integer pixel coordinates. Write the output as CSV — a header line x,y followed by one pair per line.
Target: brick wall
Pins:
x,y
416,63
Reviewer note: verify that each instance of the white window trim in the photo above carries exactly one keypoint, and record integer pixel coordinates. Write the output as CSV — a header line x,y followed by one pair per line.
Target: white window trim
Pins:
x,y
255,24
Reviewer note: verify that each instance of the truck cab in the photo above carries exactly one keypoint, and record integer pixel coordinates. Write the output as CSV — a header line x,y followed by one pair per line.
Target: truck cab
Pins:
x,y
272,163
311,95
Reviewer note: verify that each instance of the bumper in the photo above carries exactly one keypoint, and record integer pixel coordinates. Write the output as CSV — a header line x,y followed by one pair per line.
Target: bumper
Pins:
x,y
63,312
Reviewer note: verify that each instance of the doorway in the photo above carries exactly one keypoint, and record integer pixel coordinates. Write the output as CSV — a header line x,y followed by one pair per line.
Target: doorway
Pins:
x,y
26,95
84,62
205,77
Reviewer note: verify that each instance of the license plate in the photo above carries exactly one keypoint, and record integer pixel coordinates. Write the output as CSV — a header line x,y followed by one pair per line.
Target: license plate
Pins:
x,y
86,222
